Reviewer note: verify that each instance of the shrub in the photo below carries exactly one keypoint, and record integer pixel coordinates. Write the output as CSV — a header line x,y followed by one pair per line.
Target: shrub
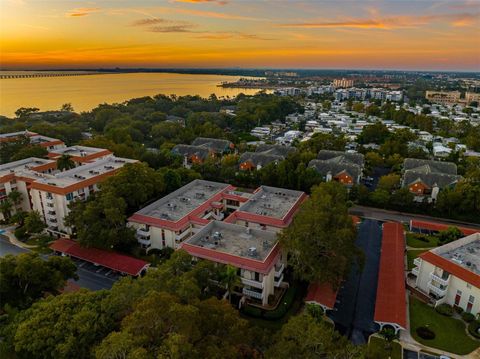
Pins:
x,y
21,233
459,310
473,328
425,333
252,311
445,309
468,317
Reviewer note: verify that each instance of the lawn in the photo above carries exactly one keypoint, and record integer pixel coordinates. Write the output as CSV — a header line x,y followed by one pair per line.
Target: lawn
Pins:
x,y
413,241
377,345
411,255
449,332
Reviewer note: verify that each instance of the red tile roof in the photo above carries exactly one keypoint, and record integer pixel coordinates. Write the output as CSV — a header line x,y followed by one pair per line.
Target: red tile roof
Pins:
x,y
321,294
390,306
433,226
452,268
115,261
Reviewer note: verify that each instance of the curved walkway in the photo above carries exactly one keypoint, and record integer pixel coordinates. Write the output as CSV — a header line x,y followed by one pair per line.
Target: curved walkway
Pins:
x,y
12,239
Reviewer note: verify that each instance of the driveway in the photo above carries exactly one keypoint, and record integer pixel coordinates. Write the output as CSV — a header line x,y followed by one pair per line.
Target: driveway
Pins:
x,y
356,298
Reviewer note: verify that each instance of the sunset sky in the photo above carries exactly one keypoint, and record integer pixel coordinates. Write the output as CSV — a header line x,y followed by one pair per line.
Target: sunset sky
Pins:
x,y
431,35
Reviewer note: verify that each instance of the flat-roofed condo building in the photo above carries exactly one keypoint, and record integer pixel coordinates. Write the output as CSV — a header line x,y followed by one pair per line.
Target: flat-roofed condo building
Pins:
x,y
171,219
451,273
214,221
49,191
254,252
52,193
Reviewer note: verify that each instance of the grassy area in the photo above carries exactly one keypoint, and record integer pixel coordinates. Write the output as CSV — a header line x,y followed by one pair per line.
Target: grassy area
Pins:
x,y
376,348
413,240
449,332
411,255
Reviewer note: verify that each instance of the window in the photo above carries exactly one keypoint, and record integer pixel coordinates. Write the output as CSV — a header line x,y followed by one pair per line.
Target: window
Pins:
x,y
257,276
458,297
69,196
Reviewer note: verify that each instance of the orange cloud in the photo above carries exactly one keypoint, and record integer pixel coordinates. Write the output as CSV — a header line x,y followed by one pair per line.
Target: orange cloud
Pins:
x,y
213,14
219,2
148,21
463,19
83,11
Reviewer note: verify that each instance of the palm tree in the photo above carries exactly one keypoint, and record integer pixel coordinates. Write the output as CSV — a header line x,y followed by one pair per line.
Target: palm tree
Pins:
x,y
231,280
5,208
16,197
65,163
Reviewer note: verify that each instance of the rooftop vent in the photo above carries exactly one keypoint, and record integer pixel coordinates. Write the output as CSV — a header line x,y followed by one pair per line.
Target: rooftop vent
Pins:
x,y
185,199
172,206
164,216
199,195
252,251
217,236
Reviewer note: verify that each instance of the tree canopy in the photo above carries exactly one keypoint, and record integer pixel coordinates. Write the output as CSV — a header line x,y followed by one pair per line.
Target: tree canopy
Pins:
x,y
320,241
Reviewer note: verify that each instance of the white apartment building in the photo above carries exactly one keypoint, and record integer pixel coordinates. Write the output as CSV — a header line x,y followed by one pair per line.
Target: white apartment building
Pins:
x,y
18,176
50,194
254,252
451,273
175,217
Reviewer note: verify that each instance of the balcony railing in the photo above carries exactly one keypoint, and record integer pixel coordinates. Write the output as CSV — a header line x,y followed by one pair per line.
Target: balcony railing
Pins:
x,y
252,293
442,281
438,291
415,271
252,283
143,233
417,261
278,282
279,270
183,235
145,242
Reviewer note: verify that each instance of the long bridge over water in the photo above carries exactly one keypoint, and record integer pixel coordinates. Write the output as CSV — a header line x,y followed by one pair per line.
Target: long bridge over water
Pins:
x,y
45,74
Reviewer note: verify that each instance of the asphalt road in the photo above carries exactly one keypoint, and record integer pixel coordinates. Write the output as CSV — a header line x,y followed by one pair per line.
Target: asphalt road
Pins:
x,y
354,312
90,277
386,215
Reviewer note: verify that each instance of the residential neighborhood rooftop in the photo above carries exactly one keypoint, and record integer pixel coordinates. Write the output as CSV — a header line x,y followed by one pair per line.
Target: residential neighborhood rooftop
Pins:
x,y
23,166
272,202
234,239
84,172
179,203
464,252
77,151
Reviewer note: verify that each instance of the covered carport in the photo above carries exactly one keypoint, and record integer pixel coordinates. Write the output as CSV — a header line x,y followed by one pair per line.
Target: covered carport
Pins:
x,y
391,304
114,261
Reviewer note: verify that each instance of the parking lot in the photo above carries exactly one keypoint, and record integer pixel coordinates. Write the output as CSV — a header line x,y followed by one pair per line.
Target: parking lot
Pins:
x,y
355,309
410,354
94,277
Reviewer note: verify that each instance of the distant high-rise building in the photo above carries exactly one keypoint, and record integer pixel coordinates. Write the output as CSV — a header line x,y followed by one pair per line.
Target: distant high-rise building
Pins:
x,y
342,83
443,97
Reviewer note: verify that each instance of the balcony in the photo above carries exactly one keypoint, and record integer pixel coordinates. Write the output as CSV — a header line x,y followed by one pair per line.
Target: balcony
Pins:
x,y
145,242
438,291
180,237
277,283
415,271
143,233
279,269
417,262
252,293
51,222
440,280
50,200
252,283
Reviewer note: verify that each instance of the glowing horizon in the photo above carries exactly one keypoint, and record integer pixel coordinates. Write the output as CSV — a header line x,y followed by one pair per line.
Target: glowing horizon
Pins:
x,y
403,35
